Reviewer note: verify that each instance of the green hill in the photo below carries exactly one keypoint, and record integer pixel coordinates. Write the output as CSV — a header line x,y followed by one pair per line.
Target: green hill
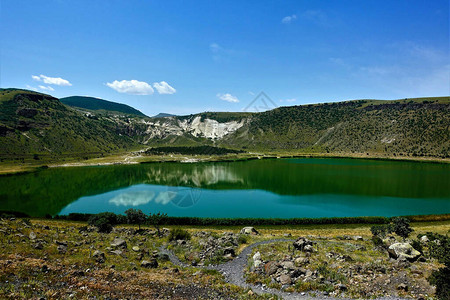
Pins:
x,y
32,123
413,127
97,104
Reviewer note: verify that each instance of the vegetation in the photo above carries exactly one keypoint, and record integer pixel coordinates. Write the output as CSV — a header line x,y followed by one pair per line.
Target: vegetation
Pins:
x,y
96,104
157,219
179,234
135,216
104,221
195,150
398,225
439,247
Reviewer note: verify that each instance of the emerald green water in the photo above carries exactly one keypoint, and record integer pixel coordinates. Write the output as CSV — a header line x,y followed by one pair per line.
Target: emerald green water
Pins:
x,y
273,188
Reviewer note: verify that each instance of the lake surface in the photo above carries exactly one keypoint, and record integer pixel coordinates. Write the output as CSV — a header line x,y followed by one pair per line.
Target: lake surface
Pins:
x,y
267,188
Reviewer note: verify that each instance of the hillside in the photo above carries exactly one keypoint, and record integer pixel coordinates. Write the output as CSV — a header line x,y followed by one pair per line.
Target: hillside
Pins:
x,y
34,123
37,124
96,104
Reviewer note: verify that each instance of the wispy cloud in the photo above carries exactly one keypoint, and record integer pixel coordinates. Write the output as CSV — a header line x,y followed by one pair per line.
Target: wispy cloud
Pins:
x,y
228,97
51,80
46,88
133,87
288,19
164,88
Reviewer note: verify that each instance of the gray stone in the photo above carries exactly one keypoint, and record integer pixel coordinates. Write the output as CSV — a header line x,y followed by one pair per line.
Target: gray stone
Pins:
x,y
249,230
271,267
119,243
99,256
285,279
299,261
405,250
149,264
257,256
424,239
136,249
32,235
287,265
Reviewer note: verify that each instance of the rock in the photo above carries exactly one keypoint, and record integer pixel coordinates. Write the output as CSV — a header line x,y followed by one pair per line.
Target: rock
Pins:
x,y
136,249
32,235
287,265
389,240
257,256
300,261
99,256
61,243
341,287
271,267
149,264
308,248
119,243
358,238
163,257
61,249
117,252
403,249
249,230
298,272
287,235
257,263
424,239
402,287
285,279
229,251
301,243
38,245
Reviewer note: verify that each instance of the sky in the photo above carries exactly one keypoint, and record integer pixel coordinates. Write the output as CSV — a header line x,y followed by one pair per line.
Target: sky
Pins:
x,y
186,57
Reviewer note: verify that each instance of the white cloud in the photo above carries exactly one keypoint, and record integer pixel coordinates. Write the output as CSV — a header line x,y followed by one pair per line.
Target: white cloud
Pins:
x,y
164,88
46,88
133,87
228,97
51,80
288,19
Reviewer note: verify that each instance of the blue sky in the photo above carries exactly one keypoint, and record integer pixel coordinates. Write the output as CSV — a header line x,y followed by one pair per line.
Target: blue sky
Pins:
x,y
189,56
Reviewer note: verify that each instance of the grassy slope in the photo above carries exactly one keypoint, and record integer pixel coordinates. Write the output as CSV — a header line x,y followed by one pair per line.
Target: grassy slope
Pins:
x,y
34,123
417,127
101,105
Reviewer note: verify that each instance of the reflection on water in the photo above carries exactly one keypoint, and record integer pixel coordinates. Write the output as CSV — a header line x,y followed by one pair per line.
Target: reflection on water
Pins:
x,y
269,188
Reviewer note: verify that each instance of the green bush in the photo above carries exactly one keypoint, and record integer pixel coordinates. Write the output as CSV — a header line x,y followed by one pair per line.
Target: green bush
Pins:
x,y
179,234
103,221
381,230
416,244
377,241
439,247
135,216
242,239
401,227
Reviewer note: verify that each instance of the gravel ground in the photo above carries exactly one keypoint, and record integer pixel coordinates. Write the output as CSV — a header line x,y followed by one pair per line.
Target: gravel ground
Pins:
x,y
233,272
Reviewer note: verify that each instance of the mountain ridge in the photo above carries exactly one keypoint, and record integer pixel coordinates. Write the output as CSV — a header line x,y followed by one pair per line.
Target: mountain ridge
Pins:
x,y
97,104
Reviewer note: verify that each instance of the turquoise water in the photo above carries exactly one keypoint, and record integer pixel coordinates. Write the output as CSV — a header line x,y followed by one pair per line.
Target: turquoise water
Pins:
x,y
276,188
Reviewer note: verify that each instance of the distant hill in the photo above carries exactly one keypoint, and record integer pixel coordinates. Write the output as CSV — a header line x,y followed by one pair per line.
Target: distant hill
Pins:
x,y
34,123
97,104
163,115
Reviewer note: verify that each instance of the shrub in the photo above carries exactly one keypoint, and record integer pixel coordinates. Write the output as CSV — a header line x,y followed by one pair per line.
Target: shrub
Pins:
x,y
242,239
377,241
401,227
381,230
417,245
157,220
103,221
439,247
179,234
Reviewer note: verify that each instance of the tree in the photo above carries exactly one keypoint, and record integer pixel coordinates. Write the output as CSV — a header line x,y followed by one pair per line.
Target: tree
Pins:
x,y
401,227
103,221
135,216
157,220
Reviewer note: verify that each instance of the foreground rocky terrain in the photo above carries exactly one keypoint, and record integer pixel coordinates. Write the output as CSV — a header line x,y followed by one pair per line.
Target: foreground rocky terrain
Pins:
x,y
42,259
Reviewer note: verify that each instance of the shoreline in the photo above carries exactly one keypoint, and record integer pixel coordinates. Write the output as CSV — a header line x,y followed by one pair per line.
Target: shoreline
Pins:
x,y
129,159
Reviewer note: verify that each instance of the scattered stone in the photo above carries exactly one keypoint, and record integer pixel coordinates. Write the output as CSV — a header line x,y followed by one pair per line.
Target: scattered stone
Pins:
x,y
136,249
117,252
149,264
424,239
341,287
301,244
249,230
38,245
403,249
61,243
61,249
99,257
119,243
32,235
287,265
358,238
257,256
229,251
402,287
300,261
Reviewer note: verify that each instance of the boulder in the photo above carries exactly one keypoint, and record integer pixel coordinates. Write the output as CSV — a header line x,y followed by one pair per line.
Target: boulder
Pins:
x,y
119,243
257,256
149,264
271,267
301,243
405,250
285,279
424,239
287,265
249,230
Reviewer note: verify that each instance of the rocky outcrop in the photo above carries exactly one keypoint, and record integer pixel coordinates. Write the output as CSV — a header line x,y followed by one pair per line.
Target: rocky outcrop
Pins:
x,y
249,230
405,250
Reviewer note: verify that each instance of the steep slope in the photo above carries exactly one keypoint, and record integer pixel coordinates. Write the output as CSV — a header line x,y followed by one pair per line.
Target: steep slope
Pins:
x,y
97,104
34,123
